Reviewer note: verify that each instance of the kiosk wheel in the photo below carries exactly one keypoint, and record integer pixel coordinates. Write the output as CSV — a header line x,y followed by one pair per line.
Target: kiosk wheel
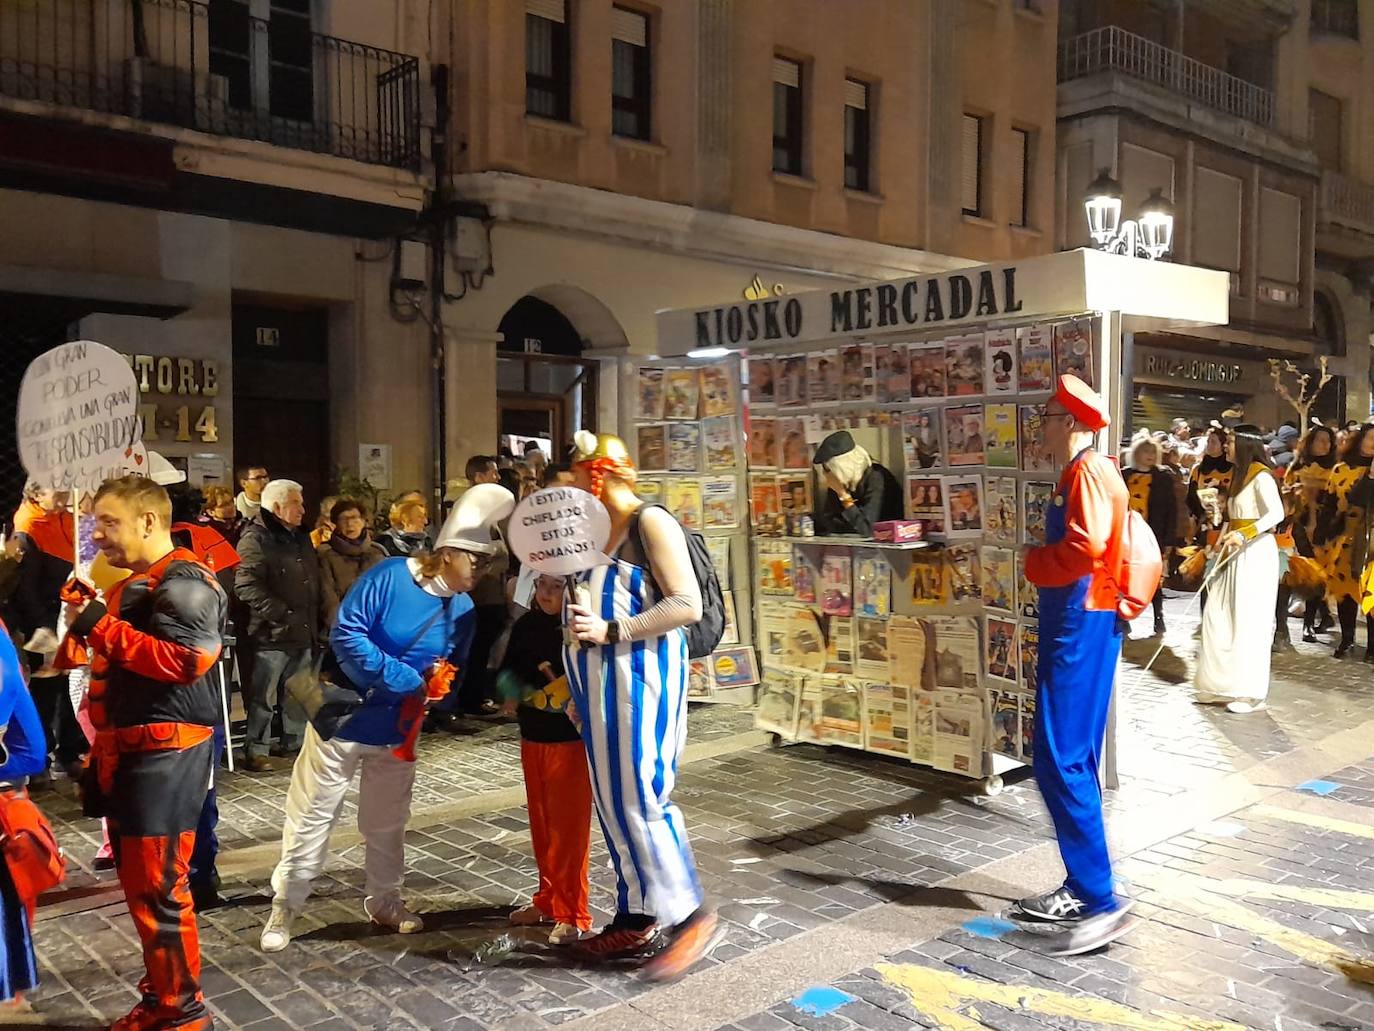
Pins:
x,y
991,786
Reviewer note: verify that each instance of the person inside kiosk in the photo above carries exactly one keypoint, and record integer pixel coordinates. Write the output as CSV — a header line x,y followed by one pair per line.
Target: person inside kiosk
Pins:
x,y
861,492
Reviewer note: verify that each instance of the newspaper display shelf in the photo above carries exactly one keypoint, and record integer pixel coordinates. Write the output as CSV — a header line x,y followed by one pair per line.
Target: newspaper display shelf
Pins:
x,y
923,650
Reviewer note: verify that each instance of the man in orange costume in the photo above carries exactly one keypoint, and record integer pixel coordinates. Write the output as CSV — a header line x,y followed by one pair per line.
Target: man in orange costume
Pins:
x,y
1080,642
153,704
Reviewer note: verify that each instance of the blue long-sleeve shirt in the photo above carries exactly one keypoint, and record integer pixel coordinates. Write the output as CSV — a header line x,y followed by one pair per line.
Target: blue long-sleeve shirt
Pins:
x,y
381,614
25,748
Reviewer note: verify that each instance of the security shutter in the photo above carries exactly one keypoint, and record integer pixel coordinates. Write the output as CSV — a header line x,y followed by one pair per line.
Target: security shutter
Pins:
x,y
786,73
856,94
1020,176
628,26
553,10
971,152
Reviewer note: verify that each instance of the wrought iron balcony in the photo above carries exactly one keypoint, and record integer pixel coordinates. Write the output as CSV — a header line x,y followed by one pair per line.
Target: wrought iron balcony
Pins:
x,y
209,65
1113,49
1346,202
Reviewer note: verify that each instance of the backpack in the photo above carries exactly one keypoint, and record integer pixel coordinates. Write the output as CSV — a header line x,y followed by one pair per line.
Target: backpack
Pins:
x,y
704,635
1141,569
29,848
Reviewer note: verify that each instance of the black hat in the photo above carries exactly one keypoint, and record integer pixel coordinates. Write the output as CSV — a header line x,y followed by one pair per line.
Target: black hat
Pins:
x,y
1248,429
837,444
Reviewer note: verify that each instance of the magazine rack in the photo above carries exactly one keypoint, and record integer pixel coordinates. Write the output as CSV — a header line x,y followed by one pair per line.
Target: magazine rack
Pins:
x,y
923,652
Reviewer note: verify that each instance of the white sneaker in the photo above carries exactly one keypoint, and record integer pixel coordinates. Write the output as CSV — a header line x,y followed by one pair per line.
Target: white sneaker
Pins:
x,y
529,916
564,934
276,933
391,912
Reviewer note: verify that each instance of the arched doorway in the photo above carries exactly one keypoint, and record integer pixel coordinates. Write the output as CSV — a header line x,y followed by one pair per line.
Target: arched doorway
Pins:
x,y
546,390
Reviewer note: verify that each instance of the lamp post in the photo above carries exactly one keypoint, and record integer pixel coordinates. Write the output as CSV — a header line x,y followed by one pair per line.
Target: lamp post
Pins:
x,y
1149,236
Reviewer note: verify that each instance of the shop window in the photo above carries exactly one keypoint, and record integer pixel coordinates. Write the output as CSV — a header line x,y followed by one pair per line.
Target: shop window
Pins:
x,y
787,116
972,159
858,125
630,74
548,60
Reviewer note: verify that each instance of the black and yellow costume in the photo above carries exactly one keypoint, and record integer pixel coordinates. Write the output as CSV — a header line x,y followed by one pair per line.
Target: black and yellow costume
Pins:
x,y
1151,493
1345,518
1303,486
1209,472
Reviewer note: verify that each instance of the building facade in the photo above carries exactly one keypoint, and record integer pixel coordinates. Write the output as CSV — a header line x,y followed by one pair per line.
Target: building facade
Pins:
x,y
1251,117
330,233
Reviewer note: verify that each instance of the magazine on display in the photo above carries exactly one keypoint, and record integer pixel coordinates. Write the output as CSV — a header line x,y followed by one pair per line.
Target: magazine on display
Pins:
x,y
999,578
999,376
887,719
964,366
823,374
717,398
870,648
892,370
959,732
926,501
720,502
794,493
719,548
1027,594
1073,348
1034,456
927,370
650,490
872,585
963,506
906,653
684,501
1030,655
775,567
779,697
682,394
730,635
1000,506
763,444
734,667
1027,701
653,448
806,573
1035,365
999,434
684,447
1035,504
921,440
929,579
958,652
842,713
718,438
809,710
923,728
762,381
794,450
1006,723
1002,637
964,572
804,644
836,583
650,394
699,678
839,645
964,434
763,500
859,381
792,389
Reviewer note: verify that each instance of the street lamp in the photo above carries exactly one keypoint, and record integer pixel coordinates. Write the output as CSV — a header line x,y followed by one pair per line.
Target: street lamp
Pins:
x,y
1150,236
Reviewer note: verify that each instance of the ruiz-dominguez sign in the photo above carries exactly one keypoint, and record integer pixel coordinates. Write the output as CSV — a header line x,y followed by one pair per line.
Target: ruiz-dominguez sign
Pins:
x,y
1189,369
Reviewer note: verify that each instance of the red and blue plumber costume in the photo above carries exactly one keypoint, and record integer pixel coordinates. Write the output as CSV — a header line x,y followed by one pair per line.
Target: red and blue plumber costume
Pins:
x,y
1080,643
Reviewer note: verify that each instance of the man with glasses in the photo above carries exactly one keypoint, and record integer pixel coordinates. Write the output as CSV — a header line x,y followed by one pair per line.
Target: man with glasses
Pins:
x,y
1076,571
252,479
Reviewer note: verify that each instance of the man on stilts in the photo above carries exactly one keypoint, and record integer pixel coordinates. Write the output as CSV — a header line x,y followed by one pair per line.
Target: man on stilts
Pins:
x,y
1080,643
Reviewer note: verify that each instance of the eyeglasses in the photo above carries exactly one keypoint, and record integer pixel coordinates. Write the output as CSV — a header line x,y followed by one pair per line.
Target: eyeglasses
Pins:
x,y
478,562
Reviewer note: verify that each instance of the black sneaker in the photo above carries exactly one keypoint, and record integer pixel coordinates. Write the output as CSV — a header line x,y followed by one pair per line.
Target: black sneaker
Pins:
x,y
1090,933
1054,907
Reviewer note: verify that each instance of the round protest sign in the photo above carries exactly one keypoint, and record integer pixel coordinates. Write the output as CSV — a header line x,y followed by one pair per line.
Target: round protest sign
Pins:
x,y
77,418
560,531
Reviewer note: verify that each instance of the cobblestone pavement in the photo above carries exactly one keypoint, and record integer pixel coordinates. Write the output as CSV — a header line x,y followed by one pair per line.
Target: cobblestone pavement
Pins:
x,y
857,892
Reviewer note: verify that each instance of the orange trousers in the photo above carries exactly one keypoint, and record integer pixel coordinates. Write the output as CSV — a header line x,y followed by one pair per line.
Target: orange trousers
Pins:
x,y
559,791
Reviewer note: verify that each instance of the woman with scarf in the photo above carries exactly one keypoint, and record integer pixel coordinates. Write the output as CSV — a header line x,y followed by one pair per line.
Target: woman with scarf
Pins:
x,y
1344,518
1214,471
1237,624
1303,486
408,534
348,554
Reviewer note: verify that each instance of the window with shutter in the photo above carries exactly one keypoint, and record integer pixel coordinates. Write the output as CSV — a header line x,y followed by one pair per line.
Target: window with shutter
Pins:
x,y
1326,120
548,60
787,116
631,94
857,135
1020,177
971,167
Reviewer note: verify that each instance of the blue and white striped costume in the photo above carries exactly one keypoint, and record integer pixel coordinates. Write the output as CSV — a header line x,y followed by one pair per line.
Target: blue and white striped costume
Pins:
x,y
633,700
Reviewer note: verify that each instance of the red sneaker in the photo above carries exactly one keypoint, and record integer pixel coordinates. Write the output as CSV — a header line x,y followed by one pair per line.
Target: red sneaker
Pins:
x,y
148,1016
688,943
616,941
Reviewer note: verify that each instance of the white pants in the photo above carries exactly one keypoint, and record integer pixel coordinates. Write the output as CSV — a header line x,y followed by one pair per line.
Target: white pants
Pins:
x,y
319,781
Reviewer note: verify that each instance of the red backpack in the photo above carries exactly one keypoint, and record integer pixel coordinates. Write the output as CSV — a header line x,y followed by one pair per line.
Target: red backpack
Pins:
x,y
1141,569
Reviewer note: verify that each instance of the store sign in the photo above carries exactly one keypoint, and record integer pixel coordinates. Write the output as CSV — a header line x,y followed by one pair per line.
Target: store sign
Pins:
x,y
161,376
1236,375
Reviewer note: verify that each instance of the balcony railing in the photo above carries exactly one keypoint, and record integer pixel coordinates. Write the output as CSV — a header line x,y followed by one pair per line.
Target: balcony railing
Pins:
x,y
1347,202
1112,49
212,67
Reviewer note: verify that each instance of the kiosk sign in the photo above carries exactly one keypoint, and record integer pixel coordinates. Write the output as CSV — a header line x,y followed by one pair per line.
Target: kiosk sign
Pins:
x,y
560,531
77,418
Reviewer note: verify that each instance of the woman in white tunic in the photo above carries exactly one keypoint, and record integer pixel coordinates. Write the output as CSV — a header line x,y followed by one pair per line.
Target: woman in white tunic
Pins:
x,y
1238,623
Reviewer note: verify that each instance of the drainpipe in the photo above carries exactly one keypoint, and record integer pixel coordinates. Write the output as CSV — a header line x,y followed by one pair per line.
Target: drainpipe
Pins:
x,y
437,241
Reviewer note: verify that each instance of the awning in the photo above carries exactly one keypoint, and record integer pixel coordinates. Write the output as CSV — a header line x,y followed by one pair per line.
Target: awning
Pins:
x,y
87,292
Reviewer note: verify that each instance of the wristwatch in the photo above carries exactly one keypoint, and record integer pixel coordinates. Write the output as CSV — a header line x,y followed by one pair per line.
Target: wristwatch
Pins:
x,y
613,632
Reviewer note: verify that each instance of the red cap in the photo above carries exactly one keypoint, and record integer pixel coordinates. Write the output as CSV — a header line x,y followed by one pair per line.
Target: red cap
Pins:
x,y
1082,402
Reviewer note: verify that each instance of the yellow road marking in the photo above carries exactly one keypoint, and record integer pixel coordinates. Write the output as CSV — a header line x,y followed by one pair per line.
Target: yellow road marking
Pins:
x,y
1329,823
1332,898
939,994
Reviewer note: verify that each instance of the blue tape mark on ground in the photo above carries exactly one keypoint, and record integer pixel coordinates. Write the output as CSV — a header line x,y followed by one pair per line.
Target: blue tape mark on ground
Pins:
x,y
988,927
821,1002
1319,787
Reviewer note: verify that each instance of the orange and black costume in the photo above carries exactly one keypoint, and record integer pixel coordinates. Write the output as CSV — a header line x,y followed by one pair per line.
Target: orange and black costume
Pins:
x,y
153,704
